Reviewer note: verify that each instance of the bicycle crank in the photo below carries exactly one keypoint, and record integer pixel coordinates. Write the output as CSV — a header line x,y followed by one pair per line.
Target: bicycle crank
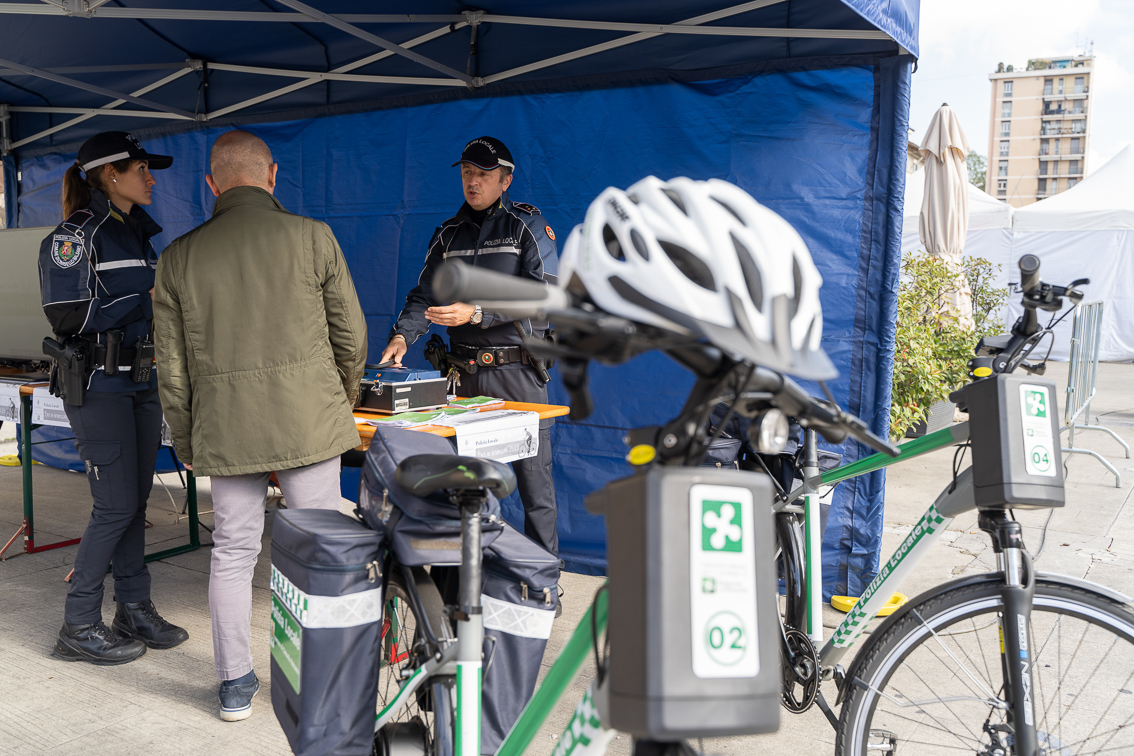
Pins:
x,y
800,671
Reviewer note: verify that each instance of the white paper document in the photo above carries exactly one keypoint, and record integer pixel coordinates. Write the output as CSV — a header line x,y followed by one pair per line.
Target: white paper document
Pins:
x,y
48,409
9,402
503,435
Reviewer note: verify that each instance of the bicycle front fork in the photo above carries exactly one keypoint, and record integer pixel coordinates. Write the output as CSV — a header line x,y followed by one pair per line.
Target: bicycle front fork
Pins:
x,y
1017,653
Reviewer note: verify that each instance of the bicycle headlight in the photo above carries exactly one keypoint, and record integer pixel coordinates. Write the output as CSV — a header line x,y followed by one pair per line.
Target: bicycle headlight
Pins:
x,y
769,432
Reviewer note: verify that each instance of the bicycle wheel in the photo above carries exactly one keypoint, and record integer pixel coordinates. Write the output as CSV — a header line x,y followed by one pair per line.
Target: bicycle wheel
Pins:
x,y
933,681
425,721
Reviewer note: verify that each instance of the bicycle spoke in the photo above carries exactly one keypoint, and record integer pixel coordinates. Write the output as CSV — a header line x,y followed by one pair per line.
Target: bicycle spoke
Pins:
x,y
1082,669
940,727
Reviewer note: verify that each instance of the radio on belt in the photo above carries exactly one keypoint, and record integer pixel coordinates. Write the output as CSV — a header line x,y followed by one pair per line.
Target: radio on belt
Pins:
x,y
1015,442
403,390
693,627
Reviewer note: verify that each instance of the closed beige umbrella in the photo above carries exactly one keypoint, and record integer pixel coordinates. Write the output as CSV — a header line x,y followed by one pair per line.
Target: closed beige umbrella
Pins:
x,y
944,220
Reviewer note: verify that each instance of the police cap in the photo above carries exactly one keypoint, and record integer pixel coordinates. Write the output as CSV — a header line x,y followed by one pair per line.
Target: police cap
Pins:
x,y
486,153
111,146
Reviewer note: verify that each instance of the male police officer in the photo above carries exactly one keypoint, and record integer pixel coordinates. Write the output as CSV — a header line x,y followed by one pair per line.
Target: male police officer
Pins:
x,y
491,231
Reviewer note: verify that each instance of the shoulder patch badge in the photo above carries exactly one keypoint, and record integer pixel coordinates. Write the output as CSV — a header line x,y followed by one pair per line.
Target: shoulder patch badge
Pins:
x,y
529,209
66,250
550,233
79,218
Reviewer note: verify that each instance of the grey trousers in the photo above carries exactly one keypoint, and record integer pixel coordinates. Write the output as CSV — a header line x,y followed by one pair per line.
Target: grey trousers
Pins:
x,y
238,504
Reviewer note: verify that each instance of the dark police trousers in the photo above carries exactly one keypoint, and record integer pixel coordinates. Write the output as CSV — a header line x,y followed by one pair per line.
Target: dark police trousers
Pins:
x,y
118,436
533,475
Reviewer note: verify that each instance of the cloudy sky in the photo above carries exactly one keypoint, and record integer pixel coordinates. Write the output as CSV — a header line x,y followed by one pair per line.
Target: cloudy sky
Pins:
x,y
963,40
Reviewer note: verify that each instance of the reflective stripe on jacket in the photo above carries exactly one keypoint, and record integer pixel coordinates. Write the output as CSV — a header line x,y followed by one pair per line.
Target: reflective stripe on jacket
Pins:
x,y
514,239
96,270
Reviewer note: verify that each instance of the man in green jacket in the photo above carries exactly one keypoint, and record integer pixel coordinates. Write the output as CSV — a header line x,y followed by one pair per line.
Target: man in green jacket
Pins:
x,y
261,345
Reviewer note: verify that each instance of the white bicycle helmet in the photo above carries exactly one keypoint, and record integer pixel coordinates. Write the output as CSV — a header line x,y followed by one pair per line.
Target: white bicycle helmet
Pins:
x,y
705,259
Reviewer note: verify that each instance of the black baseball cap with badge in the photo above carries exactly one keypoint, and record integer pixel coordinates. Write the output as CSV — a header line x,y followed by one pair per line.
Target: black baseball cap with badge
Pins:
x,y
112,146
487,153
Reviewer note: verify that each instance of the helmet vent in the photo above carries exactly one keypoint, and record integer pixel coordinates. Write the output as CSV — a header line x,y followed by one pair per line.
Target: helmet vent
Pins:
x,y
613,246
734,213
633,198
639,244
752,277
797,274
691,266
676,200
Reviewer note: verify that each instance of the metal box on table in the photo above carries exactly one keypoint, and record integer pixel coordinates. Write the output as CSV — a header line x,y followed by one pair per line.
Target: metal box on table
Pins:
x,y
403,390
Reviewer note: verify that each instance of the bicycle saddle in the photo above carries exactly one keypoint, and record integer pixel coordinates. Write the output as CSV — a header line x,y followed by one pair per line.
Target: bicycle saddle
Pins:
x,y
423,474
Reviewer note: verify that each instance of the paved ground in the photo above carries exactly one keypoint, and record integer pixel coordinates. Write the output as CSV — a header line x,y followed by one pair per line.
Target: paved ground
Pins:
x,y
165,703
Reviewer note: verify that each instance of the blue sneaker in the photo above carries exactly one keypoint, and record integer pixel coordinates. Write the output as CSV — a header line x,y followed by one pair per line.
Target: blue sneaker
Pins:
x,y
236,697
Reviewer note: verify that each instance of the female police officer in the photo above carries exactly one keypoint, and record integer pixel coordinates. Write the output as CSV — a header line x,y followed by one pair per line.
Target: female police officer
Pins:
x,y
96,273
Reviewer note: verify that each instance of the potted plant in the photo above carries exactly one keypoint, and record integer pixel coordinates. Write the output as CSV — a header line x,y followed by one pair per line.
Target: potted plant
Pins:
x,y
932,344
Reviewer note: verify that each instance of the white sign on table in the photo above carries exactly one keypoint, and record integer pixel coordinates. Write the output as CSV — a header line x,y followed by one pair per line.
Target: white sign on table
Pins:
x,y
502,435
48,409
9,402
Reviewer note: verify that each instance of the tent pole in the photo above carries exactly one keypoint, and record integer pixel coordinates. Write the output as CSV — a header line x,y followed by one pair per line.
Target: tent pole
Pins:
x,y
96,112
342,69
375,39
330,76
76,121
28,71
640,37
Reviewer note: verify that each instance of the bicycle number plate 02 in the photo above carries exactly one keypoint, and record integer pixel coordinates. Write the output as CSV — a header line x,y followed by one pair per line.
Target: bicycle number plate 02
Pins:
x,y
722,582
692,593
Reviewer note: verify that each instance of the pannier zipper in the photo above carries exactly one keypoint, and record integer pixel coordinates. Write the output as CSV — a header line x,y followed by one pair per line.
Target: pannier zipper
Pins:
x,y
363,567
374,571
546,593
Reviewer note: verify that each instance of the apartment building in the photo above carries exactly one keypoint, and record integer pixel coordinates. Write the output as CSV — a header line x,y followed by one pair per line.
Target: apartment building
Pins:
x,y
1039,126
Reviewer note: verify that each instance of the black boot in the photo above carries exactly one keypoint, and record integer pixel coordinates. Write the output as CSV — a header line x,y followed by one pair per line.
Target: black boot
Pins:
x,y
142,622
95,643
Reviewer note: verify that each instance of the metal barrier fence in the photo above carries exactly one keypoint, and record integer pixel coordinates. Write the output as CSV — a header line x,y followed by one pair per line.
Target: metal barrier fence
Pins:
x,y
1082,373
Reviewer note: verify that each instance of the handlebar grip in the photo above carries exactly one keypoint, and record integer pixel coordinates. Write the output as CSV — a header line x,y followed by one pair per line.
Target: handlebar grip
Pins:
x,y
458,282
1029,273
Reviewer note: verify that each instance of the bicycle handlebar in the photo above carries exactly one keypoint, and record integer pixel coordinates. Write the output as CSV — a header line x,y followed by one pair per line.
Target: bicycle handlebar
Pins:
x,y
830,421
1029,274
499,292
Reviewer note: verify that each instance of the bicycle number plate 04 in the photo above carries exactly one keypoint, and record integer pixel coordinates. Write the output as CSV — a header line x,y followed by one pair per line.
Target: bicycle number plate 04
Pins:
x,y
1039,445
1015,442
722,582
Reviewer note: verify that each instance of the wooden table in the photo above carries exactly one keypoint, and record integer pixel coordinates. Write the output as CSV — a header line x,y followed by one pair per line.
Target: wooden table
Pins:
x,y
27,530
545,411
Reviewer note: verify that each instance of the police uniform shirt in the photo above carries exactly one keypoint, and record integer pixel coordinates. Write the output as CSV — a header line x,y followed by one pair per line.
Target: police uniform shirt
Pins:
x,y
95,272
513,238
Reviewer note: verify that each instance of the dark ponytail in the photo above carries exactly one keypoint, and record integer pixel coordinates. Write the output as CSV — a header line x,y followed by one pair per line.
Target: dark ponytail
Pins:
x,y
77,190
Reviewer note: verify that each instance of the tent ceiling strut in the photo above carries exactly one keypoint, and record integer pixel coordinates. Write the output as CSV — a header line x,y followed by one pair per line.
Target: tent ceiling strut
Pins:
x,y
481,17
340,70
376,40
75,121
27,70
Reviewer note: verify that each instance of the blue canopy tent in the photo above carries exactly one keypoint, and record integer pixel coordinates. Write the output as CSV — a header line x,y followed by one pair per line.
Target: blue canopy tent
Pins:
x,y
801,102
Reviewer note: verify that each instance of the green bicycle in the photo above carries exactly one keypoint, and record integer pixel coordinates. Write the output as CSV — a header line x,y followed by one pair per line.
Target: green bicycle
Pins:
x,y
1011,662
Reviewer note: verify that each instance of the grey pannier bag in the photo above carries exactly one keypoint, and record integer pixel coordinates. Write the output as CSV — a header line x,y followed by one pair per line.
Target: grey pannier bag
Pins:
x,y
326,631
420,530
519,599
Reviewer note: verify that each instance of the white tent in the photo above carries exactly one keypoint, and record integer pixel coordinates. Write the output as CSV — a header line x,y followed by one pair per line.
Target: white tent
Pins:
x,y
1088,232
990,225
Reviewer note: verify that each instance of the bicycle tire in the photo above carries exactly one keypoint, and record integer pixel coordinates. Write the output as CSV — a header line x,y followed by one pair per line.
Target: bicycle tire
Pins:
x,y
429,715
909,694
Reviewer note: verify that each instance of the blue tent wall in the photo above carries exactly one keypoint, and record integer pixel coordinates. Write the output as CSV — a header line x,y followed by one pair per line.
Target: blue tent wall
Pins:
x,y
818,145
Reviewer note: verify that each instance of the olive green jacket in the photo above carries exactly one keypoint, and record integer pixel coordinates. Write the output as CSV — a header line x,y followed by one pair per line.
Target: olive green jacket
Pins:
x,y
261,342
